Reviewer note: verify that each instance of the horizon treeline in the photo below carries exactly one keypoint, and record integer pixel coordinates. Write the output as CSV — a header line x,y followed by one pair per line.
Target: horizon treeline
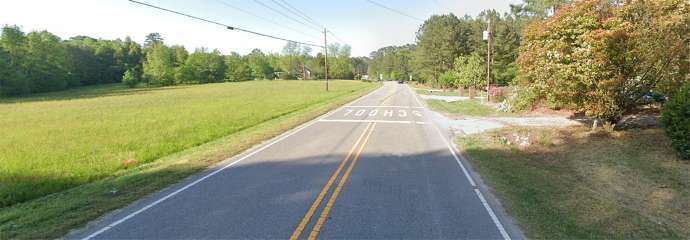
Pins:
x,y
40,61
446,43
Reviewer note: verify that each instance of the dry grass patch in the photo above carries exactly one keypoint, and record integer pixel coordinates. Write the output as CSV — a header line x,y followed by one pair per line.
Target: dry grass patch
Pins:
x,y
571,183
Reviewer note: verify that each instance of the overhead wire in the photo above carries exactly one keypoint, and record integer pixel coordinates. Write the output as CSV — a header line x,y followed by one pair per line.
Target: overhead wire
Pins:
x,y
299,13
394,10
265,19
224,25
307,18
336,37
285,15
296,12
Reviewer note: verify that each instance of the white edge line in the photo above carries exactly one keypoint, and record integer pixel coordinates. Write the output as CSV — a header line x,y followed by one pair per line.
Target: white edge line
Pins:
x,y
279,139
457,159
492,214
415,97
118,222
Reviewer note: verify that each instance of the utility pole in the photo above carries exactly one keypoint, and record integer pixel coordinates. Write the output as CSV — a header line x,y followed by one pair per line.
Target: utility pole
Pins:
x,y
488,61
325,57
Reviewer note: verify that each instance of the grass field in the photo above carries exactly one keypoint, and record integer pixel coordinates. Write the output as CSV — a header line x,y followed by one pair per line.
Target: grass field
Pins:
x,y
466,108
58,141
573,184
425,90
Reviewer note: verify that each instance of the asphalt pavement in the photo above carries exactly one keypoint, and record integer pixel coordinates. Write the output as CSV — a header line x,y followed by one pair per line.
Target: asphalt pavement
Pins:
x,y
380,167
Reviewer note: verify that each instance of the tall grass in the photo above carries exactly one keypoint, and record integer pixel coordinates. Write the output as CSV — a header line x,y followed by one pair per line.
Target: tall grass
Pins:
x,y
53,142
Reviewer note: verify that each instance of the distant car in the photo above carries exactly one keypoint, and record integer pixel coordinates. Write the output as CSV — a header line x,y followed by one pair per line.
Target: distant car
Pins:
x,y
401,81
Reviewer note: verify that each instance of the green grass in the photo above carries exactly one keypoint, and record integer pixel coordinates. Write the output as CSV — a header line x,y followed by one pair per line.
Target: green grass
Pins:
x,y
449,92
466,108
438,93
62,153
572,184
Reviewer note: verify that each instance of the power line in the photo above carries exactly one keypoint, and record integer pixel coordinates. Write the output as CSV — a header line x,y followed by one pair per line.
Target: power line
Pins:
x,y
301,14
395,10
285,15
265,19
295,11
224,25
336,37
306,17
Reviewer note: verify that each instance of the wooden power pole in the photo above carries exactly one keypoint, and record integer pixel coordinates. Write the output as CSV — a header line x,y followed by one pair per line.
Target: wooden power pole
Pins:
x,y
325,57
488,61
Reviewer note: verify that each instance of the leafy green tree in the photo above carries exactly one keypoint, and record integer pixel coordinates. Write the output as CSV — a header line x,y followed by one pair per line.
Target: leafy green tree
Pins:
x,y
134,55
237,68
439,41
45,62
109,55
449,79
339,62
676,120
181,55
291,61
153,39
506,49
359,66
392,59
316,64
202,67
469,71
159,65
372,70
258,62
130,78
12,80
84,66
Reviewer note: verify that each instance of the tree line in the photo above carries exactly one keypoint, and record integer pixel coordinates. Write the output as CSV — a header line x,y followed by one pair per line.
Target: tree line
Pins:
x,y
42,62
445,44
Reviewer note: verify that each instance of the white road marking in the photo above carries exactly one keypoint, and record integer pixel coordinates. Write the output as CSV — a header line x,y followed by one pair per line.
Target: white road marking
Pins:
x,y
457,159
492,214
414,95
166,197
417,113
347,112
360,112
369,121
373,112
402,113
388,113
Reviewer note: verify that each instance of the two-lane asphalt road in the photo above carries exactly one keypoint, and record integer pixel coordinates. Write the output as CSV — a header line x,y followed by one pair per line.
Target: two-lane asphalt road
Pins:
x,y
376,168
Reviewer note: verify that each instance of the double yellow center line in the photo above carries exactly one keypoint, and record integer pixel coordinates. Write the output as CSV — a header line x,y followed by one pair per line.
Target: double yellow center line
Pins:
x,y
352,155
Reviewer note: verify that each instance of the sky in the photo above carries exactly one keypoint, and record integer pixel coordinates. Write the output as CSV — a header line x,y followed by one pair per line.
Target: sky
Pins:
x,y
359,23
